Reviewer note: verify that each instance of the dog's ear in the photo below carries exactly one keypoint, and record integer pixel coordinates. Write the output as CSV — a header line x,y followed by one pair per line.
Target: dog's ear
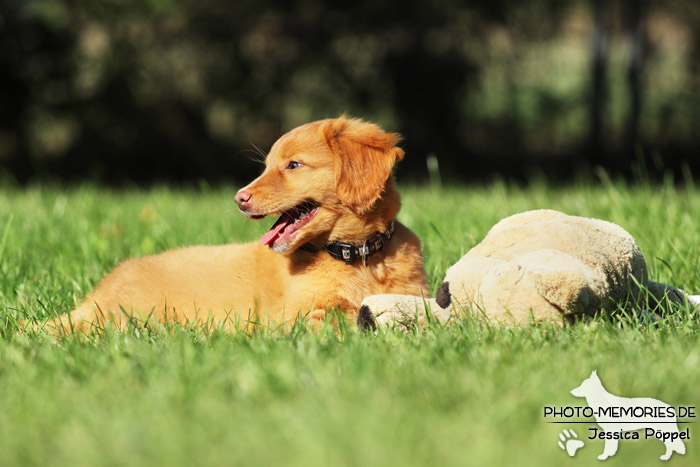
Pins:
x,y
364,158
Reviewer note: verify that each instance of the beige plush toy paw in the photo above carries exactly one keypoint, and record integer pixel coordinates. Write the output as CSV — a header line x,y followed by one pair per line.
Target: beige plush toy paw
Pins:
x,y
402,310
536,266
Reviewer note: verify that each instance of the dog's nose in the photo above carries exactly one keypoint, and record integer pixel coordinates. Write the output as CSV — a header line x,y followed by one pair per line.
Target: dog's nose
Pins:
x,y
242,198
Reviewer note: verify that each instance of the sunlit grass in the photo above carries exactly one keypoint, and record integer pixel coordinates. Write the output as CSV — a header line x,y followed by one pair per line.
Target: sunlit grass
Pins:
x,y
470,394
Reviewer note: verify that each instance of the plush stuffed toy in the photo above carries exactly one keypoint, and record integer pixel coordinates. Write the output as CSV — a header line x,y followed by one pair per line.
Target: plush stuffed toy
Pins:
x,y
536,266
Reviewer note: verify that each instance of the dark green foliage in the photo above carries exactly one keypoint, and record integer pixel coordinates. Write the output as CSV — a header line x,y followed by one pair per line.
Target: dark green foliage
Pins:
x,y
182,89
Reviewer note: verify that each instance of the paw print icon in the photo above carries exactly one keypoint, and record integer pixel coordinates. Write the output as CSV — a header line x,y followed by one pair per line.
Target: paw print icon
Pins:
x,y
569,442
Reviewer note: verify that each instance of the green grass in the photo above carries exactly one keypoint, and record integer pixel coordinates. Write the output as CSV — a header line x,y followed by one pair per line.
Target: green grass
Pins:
x,y
470,394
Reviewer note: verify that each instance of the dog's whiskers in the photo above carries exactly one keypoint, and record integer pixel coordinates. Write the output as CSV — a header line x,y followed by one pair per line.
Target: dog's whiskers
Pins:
x,y
253,155
262,153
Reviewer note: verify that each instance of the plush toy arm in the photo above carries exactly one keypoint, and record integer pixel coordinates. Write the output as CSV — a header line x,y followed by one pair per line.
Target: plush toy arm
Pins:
x,y
400,310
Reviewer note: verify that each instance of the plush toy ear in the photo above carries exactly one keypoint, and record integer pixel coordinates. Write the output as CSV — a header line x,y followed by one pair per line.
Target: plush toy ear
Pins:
x,y
364,157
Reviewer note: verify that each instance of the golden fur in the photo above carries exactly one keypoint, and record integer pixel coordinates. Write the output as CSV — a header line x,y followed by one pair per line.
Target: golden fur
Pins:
x,y
345,170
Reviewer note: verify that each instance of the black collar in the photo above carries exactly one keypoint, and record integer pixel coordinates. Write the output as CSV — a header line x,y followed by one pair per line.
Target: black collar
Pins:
x,y
349,253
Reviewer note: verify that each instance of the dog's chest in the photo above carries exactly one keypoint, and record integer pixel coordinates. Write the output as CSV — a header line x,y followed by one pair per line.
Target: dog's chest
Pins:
x,y
350,284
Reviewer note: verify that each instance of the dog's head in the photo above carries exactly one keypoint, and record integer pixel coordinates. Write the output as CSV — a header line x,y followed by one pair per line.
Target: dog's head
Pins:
x,y
588,386
327,180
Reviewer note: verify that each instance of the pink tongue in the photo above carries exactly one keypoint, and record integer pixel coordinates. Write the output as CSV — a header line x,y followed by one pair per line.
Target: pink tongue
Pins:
x,y
272,234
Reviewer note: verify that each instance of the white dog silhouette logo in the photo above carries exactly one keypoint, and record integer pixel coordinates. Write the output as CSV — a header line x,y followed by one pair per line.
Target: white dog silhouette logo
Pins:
x,y
617,415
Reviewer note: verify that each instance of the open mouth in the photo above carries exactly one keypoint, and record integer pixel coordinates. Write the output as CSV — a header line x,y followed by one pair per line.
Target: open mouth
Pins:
x,y
288,224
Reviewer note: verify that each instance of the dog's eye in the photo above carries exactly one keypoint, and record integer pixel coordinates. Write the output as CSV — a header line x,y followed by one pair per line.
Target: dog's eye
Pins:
x,y
294,165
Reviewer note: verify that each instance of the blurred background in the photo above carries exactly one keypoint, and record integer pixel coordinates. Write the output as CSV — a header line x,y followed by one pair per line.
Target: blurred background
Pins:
x,y
183,90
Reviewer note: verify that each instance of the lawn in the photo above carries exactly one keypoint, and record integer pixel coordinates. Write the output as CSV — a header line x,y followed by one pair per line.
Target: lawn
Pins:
x,y
470,394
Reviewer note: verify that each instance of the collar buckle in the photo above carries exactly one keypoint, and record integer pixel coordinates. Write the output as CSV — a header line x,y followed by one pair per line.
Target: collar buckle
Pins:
x,y
364,252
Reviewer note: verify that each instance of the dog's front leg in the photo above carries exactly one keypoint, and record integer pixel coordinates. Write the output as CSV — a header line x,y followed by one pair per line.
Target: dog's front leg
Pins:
x,y
609,450
317,319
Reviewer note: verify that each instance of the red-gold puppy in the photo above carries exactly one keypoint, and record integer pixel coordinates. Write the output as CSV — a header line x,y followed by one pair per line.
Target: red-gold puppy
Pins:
x,y
336,241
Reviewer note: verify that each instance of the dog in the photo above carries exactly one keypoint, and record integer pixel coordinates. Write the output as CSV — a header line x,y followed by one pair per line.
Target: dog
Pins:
x,y
336,241
622,414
